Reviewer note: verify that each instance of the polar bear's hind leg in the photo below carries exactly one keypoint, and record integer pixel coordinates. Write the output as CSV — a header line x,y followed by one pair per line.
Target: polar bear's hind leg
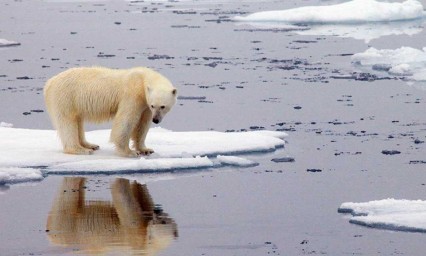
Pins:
x,y
68,130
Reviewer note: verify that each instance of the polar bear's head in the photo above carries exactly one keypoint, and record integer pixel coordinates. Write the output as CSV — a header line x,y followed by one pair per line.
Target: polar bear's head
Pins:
x,y
161,99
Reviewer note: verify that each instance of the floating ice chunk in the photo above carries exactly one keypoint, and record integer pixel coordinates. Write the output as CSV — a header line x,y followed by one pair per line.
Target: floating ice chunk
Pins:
x,y
401,215
287,159
174,150
359,19
373,56
7,43
7,125
236,161
355,11
16,175
405,61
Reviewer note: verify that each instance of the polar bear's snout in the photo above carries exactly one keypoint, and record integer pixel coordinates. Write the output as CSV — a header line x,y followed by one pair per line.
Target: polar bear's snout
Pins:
x,y
156,120
157,116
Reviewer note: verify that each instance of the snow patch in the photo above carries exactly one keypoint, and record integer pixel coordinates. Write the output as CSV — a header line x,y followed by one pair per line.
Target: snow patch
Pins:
x,y
407,62
392,214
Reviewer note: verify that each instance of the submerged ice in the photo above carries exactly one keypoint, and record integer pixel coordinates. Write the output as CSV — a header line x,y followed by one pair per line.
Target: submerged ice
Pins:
x,y
406,62
38,152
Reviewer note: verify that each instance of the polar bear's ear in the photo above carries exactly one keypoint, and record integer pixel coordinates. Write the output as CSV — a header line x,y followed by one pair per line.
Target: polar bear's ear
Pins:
x,y
174,92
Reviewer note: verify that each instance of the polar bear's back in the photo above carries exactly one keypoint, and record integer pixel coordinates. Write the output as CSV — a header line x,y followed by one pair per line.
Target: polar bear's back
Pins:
x,y
90,93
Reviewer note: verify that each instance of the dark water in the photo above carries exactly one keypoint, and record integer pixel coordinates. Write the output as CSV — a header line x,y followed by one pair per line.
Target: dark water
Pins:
x,y
230,77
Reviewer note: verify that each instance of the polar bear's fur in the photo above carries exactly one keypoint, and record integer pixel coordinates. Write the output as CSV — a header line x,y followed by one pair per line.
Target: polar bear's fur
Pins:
x,y
131,97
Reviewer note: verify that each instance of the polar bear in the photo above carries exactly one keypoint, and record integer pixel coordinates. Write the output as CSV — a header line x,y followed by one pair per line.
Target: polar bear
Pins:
x,y
131,97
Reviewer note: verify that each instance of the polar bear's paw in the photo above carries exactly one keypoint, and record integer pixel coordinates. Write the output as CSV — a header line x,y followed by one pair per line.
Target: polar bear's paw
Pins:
x,y
145,151
128,153
78,151
90,146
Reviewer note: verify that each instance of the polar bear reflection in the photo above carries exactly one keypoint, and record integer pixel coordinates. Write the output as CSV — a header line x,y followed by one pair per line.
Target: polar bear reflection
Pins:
x,y
130,222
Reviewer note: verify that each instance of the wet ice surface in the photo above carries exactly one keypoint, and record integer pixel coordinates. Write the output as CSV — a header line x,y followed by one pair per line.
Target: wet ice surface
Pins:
x,y
233,77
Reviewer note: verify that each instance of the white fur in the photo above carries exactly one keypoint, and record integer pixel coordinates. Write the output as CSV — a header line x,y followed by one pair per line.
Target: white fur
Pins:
x,y
131,97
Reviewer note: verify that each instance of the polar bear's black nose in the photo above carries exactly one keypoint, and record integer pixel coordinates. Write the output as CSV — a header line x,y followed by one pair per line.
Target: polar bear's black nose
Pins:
x,y
155,120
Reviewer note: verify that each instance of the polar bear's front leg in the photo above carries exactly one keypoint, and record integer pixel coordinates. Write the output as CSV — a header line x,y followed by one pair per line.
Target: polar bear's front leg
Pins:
x,y
124,123
140,132
82,137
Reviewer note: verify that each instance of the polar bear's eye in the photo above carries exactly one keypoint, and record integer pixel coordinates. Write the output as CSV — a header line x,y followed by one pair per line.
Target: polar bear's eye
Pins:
x,y
163,107
152,106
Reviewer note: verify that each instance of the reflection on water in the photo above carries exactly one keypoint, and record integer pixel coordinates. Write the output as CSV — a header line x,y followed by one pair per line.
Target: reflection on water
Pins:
x,y
130,222
367,31
364,31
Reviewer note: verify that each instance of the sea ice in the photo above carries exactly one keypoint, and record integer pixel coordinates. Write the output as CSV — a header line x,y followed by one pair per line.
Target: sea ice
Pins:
x,y
392,214
355,11
407,62
3,124
15,175
359,19
235,161
41,149
6,43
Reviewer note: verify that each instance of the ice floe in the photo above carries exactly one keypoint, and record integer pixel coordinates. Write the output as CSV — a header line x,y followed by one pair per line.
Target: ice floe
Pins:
x,y
16,175
235,161
391,214
7,43
41,149
406,62
355,11
4,124
359,19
